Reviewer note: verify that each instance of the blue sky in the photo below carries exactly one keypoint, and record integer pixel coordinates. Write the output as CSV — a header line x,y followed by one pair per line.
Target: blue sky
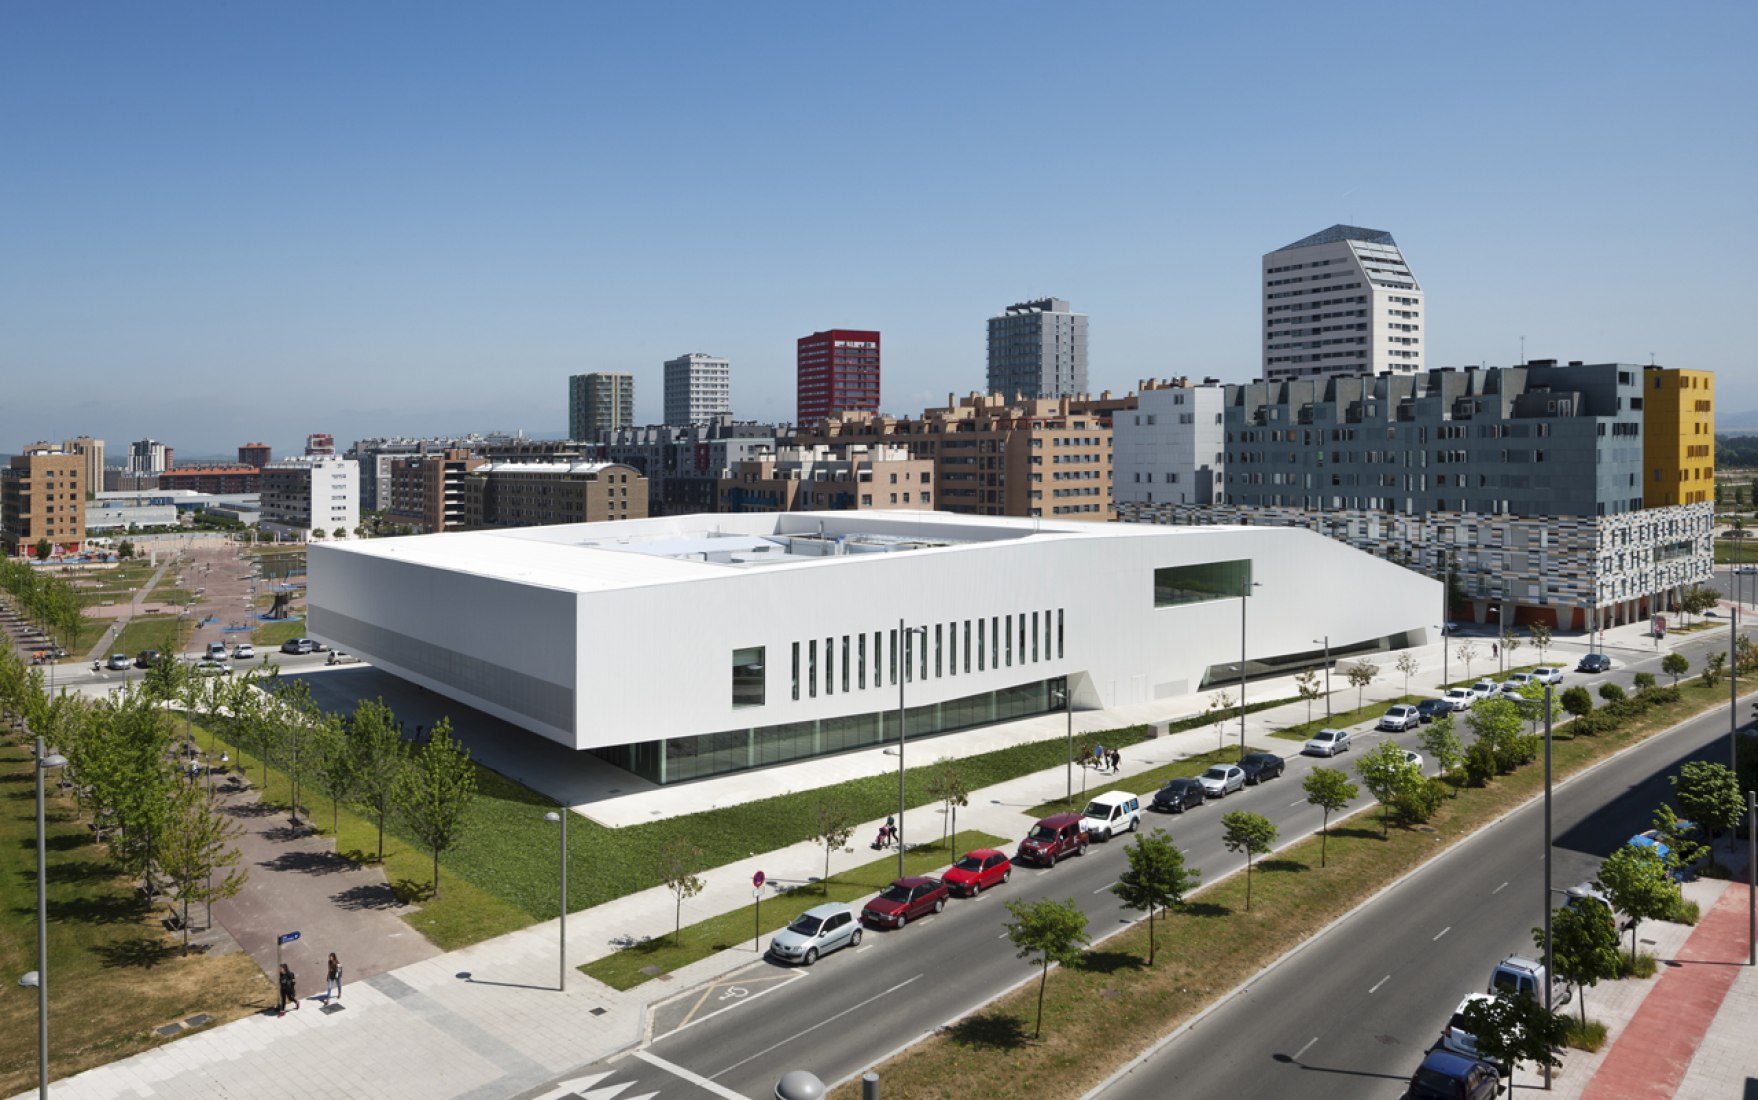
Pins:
x,y
221,223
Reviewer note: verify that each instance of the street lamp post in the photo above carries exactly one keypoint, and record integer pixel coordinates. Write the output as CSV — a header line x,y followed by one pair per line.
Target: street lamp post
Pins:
x,y
44,763
561,981
1067,694
1244,593
1326,642
903,674
1549,963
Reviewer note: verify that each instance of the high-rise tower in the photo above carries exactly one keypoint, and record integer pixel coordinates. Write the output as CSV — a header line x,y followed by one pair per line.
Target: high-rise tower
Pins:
x,y
1038,349
1341,302
837,370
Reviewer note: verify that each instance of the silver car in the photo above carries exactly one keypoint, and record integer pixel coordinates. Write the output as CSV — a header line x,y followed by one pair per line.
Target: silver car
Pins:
x,y
1222,780
818,931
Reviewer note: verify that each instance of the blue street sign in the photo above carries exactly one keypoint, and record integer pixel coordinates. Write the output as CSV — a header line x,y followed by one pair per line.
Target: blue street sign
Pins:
x,y
287,938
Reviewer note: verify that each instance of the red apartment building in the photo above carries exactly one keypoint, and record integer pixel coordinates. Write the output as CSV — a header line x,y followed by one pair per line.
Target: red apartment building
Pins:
x,y
838,372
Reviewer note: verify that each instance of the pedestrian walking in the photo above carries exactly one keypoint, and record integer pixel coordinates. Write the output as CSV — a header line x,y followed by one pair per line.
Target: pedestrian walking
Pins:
x,y
1099,757
289,991
1116,761
333,979
1495,650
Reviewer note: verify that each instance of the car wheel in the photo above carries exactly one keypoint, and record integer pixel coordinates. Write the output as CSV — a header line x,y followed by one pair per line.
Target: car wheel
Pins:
x,y
902,918
1052,859
1133,822
1007,874
976,887
939,904
811,956
1081,851
855,940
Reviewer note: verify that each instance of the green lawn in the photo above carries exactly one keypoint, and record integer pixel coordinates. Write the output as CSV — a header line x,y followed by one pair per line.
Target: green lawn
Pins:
x,y
115,973
666,951
273,634
1146,783
162,632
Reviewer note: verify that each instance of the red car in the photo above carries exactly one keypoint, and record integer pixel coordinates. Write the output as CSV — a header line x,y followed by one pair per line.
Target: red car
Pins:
x,y
904,900
978,871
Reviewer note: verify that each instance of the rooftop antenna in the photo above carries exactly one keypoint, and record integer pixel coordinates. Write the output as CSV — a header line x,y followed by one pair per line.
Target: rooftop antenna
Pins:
x,y
1651,359
1522,351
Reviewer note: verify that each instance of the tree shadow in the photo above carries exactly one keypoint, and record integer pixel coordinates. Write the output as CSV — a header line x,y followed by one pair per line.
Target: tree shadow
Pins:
x,y
374,895
142,952
1110,962
284,834
409,892
100,910
1205,910
308,863
252,809
77,871
1282,865
988,1031
1355,832
59,842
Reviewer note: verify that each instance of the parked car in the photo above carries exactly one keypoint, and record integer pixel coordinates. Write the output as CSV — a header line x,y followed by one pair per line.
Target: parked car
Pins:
x,y
1430,709
243,651
147,658
337,657
818,931
1413,758
1222,780
1327,743
1446,1075
1111,813
299,646
1179,795
1651,839
1520,679
205,667
1400,718
1485,689
1594,662
119,662
1546,674
978,871
1511,690
1517,974
216,651
1259,766
1052,838
905,900
1455,1038
1460,698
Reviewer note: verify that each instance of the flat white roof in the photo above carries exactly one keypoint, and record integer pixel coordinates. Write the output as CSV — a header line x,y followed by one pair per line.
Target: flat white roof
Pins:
x,y
589,557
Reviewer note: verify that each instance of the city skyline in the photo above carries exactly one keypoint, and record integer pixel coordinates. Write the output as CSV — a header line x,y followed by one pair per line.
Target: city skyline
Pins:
x,y
257,224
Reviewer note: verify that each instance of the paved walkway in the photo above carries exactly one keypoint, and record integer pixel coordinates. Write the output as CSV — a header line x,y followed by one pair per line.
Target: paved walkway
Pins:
x,y
487,1022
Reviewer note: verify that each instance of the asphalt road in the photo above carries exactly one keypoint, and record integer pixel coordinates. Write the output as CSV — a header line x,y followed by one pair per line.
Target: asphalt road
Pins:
x,y
1351,1014
844,1015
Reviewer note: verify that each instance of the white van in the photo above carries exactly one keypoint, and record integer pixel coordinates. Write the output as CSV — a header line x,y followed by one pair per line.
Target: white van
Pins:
x,y
1111,813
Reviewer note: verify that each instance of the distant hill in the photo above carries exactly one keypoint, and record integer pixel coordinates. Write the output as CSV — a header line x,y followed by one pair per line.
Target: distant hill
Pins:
x,y
1737,422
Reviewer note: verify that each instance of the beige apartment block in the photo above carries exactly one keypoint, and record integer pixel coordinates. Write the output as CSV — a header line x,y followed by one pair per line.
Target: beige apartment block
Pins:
x,y
1048,457
42,496
822,478
539,494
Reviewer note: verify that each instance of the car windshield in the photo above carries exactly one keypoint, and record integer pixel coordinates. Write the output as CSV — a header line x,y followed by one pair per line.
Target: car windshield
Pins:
x,y
1433,1083
1042,832
968,863
895,892
1324,735
806,925
1216,772
1098,809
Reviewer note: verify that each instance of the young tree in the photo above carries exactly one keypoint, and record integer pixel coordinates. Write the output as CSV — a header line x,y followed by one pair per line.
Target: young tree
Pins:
x,y
1642,681
1496,723
1409,666
42,549
1679,836
1510,1030
1583,947
1047,932
434,791
1468,652
164,678
1250,833
1578,701
1157,878
1440,742
1709,794
1310,687
835,826
1510,642
679,861
1639,884
1361,673
1713,665
1611,693
1388,777
328,751
1219,713
1330,790
377,758
1540,633
947,786
1675,664
197,844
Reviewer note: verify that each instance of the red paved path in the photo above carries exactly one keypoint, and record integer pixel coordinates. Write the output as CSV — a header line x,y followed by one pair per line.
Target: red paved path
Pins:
x,y
1648,1062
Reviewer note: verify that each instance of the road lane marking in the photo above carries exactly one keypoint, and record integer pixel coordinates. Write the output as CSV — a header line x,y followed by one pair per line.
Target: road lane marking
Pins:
x,y
1105,888
814,1027
1498,889
1441,933
1302,802
1382,981
680,1072
1305,1048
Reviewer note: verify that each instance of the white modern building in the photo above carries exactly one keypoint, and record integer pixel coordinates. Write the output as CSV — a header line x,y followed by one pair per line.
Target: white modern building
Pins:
x,y
1341,301
697,388
311,493
688,646
1171,448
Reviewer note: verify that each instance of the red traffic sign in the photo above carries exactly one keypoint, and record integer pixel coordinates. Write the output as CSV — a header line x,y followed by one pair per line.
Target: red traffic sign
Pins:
x,y
757,880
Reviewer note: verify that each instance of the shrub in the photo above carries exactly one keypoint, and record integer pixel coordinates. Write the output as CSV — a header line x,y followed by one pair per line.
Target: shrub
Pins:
x,y
1611,693
1642,967
1591,725
1480,764
1577,701
1416,804
1644,681
1683,911
1589,1036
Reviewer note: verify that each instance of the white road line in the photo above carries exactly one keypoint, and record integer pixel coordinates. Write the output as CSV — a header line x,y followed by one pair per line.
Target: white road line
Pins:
x,y
1442,932
1302,802
696,1079
1002,936
814,1027
1382,981
1498,889
1105,888
1305,1048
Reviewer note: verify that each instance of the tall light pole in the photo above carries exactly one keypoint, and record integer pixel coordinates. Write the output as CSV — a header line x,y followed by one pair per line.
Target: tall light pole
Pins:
x,y
1244,593
1549,963
1326,642
561,981
903,674
1446,674
40,978
1733,693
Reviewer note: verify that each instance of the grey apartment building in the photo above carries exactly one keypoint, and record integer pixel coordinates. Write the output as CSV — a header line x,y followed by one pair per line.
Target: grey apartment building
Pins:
x,y
1038,349
600,402
698,388
1342,301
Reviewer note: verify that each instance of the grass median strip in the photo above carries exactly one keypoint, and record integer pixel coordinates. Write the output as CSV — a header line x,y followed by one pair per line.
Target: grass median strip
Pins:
x,y
1213,944
664,953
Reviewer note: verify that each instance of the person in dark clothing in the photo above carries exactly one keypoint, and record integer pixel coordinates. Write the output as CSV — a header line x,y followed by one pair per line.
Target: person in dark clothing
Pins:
x,y
333,979
289,992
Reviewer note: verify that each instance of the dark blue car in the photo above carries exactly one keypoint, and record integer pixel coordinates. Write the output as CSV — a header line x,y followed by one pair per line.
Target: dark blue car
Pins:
x,y
1430,709
1444,1075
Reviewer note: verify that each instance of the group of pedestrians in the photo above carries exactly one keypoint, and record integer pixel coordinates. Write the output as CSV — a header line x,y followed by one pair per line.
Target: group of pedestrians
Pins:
x,y
1104,760
289,985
